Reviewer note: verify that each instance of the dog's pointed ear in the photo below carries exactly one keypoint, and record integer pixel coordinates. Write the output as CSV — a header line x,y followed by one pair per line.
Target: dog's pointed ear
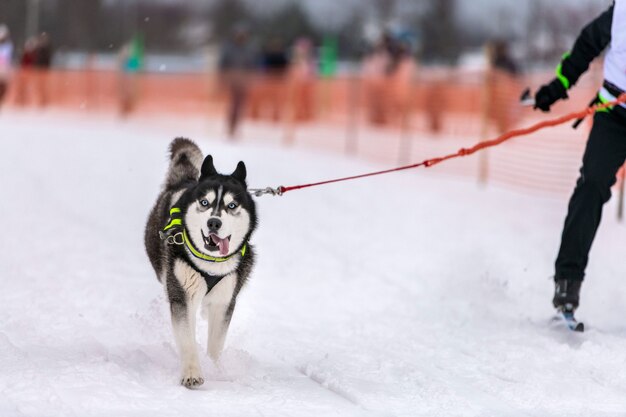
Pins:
x,y
208,169
240,172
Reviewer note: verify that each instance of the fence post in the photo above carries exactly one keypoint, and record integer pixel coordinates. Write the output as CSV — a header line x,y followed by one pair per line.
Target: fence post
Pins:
x,y
352,132
405,142
405,147
290,114
486,111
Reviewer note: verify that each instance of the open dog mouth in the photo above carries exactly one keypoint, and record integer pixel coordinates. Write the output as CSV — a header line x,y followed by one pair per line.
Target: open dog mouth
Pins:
x,y
213,242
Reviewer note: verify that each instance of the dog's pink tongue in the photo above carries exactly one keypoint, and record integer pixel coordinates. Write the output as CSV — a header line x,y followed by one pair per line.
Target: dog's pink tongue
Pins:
x,y
223,245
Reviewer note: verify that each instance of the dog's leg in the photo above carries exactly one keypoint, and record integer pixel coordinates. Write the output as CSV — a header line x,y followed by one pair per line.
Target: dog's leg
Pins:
x,y
221,304
185,291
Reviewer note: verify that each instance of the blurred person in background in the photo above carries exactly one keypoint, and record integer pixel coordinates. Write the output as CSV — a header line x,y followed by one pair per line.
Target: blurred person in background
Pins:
x,y
302,73
42,64
29,53
502,60
605,151
502,86
24,81
271,91
6,54
389,71
376,66
402,74
130,62
237,62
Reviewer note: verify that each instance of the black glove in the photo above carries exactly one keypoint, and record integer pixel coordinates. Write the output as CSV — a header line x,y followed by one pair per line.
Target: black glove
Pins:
x,y
548,94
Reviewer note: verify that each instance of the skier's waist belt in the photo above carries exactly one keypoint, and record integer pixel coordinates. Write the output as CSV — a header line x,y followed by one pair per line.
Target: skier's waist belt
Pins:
x,y
599,98
618,111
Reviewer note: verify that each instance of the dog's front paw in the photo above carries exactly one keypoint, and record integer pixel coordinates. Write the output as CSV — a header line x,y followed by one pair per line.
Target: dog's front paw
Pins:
x,y
192,377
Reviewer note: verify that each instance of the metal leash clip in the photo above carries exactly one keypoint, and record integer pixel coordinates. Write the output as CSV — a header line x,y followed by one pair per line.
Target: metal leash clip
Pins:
x,y
258,192
176,239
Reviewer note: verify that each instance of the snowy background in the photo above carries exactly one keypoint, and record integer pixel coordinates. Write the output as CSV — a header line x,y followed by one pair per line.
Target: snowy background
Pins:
x,y
409,294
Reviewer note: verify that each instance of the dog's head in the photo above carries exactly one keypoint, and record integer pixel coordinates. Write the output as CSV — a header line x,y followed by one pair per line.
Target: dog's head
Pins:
x,y
218,213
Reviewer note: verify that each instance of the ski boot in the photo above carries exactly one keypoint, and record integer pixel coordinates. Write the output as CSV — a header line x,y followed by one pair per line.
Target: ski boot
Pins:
x,y
566,298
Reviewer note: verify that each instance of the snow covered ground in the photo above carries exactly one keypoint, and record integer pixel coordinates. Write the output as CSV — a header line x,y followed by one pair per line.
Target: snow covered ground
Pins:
x,y
403,295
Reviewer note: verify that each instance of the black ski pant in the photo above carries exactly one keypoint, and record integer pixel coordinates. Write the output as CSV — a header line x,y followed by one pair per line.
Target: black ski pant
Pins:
x,y
604,155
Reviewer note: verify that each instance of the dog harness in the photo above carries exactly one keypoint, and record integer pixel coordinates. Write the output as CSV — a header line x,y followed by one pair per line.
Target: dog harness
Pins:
x,y
175,234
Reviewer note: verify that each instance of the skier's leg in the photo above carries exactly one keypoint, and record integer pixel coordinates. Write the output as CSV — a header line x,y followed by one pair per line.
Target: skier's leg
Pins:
x,y
604,155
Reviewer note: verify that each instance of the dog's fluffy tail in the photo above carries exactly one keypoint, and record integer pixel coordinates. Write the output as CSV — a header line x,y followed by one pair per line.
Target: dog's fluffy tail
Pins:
x,y
185,162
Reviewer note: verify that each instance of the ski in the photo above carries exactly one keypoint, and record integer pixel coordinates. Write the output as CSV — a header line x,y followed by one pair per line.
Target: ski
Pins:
x,y
571,322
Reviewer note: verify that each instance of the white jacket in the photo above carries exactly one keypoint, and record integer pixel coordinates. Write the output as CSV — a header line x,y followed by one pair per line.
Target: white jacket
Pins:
x,y
615,60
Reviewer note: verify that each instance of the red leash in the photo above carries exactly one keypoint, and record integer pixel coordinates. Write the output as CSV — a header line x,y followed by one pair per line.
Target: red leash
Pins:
x,y
461,152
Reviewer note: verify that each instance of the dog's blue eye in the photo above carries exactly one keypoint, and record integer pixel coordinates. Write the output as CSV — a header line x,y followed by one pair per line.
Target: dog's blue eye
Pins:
x,y
232,206
204,202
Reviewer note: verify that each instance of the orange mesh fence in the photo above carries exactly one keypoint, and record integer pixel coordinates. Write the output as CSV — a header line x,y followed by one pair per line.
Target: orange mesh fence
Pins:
x,y
436,94
430,112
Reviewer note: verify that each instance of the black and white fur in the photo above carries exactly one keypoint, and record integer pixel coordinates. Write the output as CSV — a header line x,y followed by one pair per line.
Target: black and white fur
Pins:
x,y
203,195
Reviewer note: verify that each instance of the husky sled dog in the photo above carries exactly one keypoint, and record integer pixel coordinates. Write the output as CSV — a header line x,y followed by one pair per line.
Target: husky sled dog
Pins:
x,y
197,239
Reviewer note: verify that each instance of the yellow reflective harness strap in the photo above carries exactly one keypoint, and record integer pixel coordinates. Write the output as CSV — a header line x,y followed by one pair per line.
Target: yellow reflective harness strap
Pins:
x,y
205,257
174,222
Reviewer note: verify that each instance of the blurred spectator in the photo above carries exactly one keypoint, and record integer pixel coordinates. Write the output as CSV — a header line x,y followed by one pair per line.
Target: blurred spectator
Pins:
x,y
130,62
43,52
302,80
275,60
237,61
375,70
270,92
401,75
42,63
24,82
502,60
388,74
6,53
502,86
29,54
435,101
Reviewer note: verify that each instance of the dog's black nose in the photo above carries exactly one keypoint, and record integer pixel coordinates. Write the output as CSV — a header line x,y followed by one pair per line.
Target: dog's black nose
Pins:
x,y
214,224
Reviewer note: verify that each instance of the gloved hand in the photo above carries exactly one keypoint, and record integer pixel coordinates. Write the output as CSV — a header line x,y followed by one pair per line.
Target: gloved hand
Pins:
x,y
549,94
